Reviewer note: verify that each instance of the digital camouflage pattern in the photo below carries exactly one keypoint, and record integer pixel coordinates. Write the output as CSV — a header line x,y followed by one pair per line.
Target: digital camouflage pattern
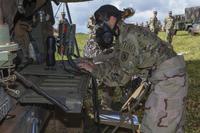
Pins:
x,y
169,23
91,49
138,50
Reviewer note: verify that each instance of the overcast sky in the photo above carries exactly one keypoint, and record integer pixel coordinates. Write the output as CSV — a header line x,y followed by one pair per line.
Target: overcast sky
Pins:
x,y
80,12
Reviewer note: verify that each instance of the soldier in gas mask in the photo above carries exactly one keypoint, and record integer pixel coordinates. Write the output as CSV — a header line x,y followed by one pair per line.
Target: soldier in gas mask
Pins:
x,y
100,48
138,51
96,47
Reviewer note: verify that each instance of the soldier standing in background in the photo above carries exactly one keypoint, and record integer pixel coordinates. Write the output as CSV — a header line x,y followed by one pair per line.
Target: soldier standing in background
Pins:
x,y
153,23
169,23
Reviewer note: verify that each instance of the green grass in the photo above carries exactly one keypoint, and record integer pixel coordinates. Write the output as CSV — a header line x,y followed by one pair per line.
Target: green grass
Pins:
x,y
190,47
81,39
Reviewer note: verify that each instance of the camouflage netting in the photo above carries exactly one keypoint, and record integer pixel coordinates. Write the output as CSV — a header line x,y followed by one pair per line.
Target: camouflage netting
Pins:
x,y
192,13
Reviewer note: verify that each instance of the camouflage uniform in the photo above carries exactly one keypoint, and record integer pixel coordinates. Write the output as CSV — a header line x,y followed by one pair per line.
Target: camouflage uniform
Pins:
x,y
107,95
91,49
138,50
153,24
169,27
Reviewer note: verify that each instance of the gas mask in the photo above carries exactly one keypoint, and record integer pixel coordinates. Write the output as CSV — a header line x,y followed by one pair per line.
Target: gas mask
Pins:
x,y
105,35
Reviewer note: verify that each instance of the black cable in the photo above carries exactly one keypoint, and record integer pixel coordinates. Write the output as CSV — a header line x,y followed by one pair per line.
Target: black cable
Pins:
x,y
94,88
96,103
70,21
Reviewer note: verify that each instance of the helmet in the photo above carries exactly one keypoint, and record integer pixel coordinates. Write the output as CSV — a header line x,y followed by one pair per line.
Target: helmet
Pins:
x,y
105,11
104,34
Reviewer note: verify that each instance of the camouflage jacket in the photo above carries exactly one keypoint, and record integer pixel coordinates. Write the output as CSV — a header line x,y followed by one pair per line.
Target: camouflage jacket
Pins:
x,y
136,51
92,50
169,23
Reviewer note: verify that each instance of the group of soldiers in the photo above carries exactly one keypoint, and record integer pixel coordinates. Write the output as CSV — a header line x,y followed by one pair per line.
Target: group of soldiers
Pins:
x,y
168,27
117,52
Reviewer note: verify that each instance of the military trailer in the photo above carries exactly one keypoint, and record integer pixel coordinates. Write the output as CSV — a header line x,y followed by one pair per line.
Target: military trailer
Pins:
x,y
192,17
38,91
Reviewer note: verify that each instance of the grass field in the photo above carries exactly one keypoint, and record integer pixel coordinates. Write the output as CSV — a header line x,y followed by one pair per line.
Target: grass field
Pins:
x,y
189,46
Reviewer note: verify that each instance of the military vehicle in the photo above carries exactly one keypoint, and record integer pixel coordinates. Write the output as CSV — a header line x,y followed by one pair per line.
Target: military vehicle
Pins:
x,y
195,28
189,21
192,17
179,23
35,89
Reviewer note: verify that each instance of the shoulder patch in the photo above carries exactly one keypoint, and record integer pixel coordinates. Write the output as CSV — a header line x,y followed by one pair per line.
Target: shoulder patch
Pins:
x,y
124,56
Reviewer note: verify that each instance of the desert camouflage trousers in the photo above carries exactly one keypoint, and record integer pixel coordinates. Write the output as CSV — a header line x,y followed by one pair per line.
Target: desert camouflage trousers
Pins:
x,y
165,106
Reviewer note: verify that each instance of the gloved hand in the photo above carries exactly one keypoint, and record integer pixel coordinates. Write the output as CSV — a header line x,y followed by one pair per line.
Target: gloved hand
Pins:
x,y
86,64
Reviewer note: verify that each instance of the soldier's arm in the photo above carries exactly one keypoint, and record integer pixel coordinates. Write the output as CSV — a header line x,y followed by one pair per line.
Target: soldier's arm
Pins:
x,y
111,73
104,67
104,56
